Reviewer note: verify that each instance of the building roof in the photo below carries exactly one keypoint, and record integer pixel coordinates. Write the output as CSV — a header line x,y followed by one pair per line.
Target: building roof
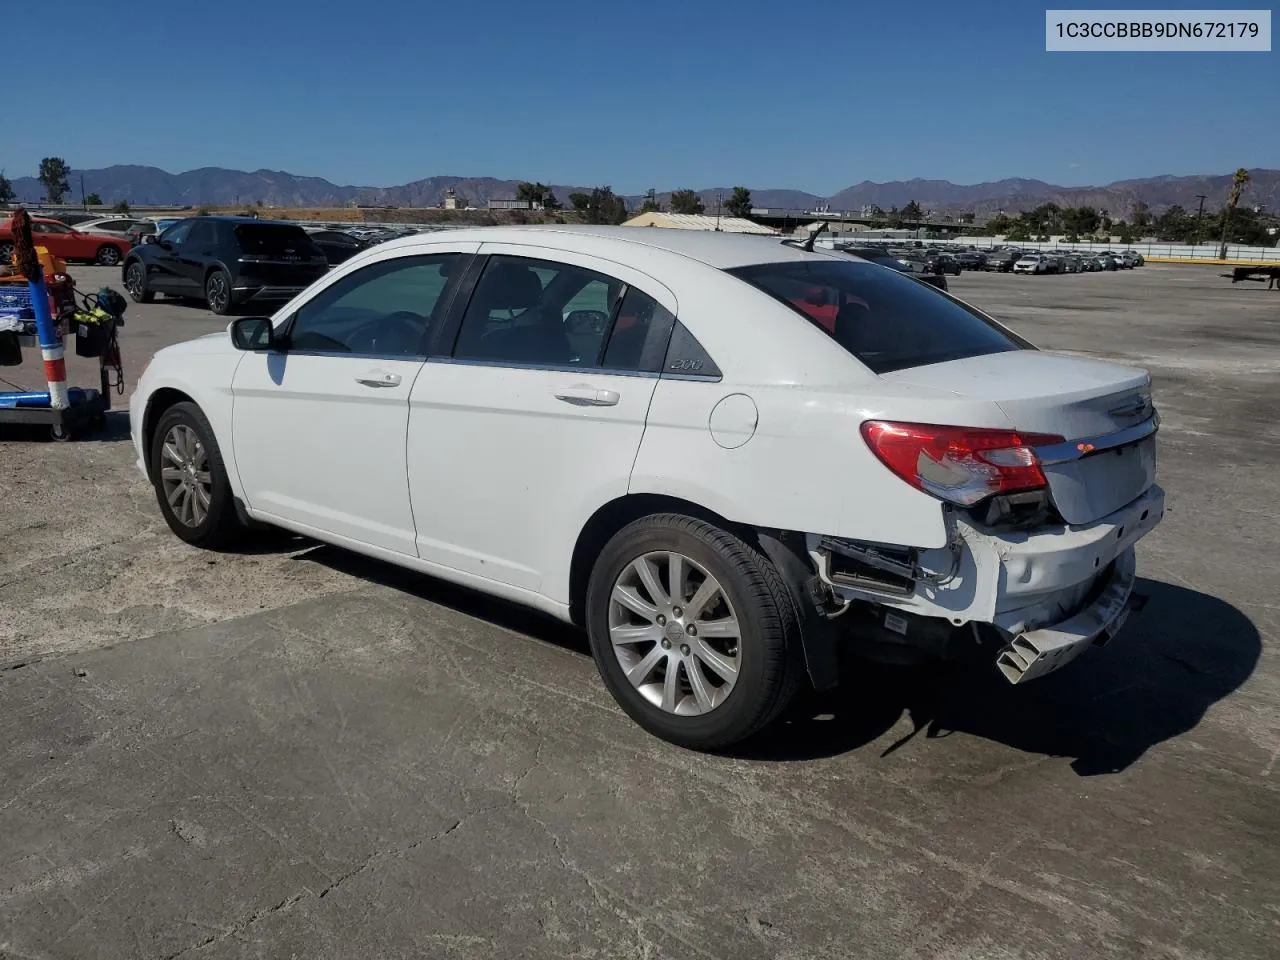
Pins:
x,y
698,221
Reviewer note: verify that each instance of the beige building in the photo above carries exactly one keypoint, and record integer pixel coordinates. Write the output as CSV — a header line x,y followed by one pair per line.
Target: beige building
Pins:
x,y
698,221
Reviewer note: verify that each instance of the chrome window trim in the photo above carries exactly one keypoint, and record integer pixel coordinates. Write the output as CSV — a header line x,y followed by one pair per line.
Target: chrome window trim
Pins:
x,y
1072,450
552,367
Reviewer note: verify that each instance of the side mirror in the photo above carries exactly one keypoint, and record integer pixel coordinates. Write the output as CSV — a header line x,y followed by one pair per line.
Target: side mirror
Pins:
x,y
253,333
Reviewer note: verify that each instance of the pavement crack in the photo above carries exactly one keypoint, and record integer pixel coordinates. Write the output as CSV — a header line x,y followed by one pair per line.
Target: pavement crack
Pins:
x,y
240,925
375,858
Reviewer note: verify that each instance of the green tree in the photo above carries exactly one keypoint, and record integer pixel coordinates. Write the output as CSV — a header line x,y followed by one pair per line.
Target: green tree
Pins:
x,y
1078,220
1018,231
894,218
739,204
686,201
53,174
1175,225
601,205
912,212
6,189
538,194
121,207
1238,180
1000,223
93,200
650,204
1140,215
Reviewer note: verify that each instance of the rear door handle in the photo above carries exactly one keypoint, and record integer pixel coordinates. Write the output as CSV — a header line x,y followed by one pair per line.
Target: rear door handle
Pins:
x,y
584,396
376,379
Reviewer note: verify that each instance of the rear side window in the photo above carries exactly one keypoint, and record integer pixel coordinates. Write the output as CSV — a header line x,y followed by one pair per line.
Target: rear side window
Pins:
x,y
885,319
273,240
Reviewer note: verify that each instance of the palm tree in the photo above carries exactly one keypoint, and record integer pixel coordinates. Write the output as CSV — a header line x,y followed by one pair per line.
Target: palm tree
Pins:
x,y
1238,180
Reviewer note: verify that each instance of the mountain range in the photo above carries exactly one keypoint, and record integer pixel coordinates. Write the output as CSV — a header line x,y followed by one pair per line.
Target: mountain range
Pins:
x,y
218,187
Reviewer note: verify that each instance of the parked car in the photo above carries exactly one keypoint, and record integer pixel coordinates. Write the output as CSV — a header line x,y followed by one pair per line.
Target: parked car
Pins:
x,y
65,242
338,246
886,259
938,262
1130,259
111,226
148,227
1069,263
1088,263
1002,261
1032,263
436,363
1107,262
225,261
971,260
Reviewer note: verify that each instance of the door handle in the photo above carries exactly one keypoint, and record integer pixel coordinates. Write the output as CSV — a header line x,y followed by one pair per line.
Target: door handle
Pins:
x,y
584,396
379,380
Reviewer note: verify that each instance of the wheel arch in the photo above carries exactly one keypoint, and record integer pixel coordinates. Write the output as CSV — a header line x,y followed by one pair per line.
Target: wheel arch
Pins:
x,y
818,638
612,517
160,400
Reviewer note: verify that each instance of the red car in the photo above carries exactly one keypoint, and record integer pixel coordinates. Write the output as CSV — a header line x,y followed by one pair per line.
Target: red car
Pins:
x,y
66,242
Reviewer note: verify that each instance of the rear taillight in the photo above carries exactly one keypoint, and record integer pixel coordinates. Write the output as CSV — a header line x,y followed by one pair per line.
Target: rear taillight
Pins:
x,y
961,465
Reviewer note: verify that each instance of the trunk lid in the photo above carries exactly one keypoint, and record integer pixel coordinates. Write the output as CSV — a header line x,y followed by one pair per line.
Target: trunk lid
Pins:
x,y
1072,397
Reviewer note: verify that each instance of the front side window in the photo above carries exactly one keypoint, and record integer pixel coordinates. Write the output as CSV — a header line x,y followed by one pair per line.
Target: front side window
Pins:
x,y
388,309
885,319
202,234
37,227
177,233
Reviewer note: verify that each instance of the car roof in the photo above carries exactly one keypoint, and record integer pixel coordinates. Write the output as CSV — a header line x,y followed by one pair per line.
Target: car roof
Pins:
x,y
720,250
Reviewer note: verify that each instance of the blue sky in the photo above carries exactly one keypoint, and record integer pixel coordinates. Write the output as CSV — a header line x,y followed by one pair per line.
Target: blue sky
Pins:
x,y
813,95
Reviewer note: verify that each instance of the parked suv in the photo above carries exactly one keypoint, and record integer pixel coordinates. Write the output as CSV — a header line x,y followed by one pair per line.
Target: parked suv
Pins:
x,y
225,261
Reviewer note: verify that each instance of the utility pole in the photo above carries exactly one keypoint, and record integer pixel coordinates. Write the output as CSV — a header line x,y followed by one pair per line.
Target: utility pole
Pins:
x,y
82,200
719,198
1199,213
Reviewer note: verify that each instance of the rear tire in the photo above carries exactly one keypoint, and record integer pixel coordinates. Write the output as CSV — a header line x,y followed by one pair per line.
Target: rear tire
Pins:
x,y
727,630
108,255
217,292
6,253
190,479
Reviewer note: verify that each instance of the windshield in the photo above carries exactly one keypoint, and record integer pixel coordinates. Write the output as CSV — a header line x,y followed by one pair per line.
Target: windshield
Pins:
x,y
885,319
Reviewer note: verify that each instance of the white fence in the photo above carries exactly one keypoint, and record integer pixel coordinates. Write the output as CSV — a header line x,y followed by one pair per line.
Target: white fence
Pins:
x,y
1166,251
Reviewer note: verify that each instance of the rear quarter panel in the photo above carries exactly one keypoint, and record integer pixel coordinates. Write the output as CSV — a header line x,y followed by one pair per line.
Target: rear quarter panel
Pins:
x,y
806,466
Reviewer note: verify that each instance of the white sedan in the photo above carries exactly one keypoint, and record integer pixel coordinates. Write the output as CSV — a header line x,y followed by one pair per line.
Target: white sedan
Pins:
x,y
723,456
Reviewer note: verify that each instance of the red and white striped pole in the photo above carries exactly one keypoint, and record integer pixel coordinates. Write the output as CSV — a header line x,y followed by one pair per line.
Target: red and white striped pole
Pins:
x,y
51,348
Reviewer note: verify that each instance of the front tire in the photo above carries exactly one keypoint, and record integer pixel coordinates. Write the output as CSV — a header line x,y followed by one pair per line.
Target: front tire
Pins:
x,y
6,253
190,480
693,631
108,255
217,292
135,281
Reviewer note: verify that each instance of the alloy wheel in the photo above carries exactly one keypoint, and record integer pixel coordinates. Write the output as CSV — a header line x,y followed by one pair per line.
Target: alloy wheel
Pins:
x,y
185,475
108,256
216,292
6,253
133,279
675,633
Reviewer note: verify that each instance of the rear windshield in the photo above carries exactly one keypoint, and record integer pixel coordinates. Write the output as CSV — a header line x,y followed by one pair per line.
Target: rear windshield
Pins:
x,y
273,239
884,318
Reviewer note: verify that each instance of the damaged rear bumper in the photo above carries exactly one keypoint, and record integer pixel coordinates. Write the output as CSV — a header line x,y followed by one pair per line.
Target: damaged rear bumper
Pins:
x,y
1046,594
1035,653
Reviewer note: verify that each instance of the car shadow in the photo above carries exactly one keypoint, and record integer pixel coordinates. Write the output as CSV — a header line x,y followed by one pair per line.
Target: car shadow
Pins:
x,y
473,603
1182,653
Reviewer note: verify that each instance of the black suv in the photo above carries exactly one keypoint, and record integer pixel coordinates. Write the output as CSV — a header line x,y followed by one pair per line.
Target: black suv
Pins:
x,y
225,261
